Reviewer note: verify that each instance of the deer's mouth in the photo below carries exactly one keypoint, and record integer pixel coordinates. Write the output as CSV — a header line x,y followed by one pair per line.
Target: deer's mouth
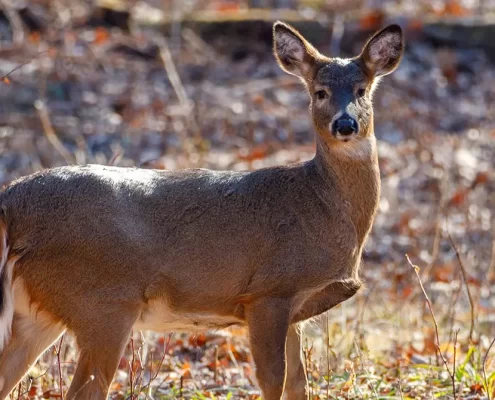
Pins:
x,y
345,138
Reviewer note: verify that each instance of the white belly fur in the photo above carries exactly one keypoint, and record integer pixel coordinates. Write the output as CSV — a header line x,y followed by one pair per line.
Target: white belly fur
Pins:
x,y
158,316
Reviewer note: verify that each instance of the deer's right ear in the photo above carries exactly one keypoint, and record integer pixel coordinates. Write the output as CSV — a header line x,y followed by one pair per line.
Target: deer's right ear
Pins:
x,y
294,54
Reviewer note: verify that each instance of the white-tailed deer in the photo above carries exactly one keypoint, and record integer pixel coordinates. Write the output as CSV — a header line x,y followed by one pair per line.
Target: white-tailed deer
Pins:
x,y
100,251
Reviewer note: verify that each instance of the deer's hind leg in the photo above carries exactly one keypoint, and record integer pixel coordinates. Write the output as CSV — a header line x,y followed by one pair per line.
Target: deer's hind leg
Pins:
x,y
32,334
101,344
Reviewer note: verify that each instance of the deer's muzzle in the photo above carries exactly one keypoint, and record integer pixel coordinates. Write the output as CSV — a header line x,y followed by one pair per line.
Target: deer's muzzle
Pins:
x,y
345,126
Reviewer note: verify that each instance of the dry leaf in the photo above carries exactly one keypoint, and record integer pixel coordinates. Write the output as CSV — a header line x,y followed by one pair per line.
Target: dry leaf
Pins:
x,y
101,36
459,197
372,20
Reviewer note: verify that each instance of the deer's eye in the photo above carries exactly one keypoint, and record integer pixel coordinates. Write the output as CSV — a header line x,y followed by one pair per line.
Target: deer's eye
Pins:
x,y
361,92
321,95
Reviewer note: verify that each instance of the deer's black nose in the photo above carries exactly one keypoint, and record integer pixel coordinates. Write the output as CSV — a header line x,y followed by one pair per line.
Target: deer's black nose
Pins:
x,y
345,126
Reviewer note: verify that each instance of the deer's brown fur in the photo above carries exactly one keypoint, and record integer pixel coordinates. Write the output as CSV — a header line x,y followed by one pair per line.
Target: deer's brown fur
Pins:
x,y
99,250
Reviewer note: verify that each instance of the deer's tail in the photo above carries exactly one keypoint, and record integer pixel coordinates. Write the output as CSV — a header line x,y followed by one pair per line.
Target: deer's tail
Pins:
x,y
6,294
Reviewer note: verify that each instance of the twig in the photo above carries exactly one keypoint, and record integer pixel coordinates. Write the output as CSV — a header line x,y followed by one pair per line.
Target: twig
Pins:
x,y
131,368
151,374
21,395
428,302
160,384
116,157
15,21
50,132
438,229
90,379
186,103
21,65
399,381
363,308
15,69
138,380
452,305
437,336
233,360
174,77
453,371
199,44
61,380
215,371
488,394
400,390
368,376
464,278
306,355
165,351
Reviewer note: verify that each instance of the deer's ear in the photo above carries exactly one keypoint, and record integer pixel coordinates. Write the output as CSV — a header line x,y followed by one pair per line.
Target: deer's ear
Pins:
x,y
294,54
383,52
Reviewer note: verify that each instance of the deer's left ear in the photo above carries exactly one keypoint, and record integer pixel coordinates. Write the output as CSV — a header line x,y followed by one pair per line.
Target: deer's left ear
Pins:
x,y
383,52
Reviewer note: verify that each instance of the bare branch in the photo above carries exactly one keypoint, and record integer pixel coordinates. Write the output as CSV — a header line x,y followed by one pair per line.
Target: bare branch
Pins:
x,y
437,336
452,376
20,66
464,278
438,229
60,377
50,132
174,77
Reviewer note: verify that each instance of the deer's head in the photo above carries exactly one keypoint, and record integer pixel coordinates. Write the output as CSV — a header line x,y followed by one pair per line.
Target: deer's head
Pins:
x,y
340,89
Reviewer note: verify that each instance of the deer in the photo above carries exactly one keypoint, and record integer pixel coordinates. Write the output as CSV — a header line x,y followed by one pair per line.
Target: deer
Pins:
x,y
102,251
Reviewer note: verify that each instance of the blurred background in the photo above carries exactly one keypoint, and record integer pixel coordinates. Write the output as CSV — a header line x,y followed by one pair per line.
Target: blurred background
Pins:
x,y
171,84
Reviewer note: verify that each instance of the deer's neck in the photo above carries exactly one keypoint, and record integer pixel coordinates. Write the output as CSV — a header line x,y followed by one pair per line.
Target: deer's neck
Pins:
x,y
352,173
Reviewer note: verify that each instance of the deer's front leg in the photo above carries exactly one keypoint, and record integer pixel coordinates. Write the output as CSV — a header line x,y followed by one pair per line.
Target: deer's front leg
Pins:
x,y
268,323
329,297
296,382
